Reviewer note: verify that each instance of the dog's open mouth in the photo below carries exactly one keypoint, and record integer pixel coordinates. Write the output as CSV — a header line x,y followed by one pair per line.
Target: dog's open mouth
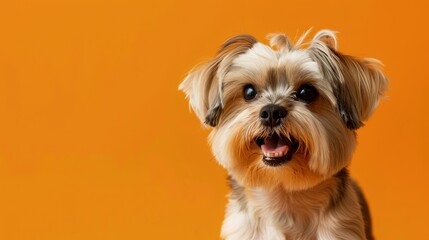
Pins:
x,y
276,149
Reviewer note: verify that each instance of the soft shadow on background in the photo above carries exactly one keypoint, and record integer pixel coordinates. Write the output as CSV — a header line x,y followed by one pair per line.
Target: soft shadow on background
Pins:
x,y
97,143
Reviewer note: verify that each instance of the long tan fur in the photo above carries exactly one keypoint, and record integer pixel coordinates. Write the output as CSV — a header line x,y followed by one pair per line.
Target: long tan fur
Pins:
x,y
311,196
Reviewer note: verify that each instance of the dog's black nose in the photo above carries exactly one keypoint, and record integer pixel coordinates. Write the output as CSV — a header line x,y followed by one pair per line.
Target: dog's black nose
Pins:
x,y
271,115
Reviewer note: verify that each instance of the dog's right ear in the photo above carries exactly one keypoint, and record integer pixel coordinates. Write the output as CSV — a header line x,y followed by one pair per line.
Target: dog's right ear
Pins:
x,y
203,85
357,84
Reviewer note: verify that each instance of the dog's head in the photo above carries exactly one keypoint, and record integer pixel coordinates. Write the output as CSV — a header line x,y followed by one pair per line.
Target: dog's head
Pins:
x,y
284,115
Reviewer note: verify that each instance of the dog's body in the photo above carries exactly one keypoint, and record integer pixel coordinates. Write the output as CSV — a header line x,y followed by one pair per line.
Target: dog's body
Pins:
x,y
284,124
316,213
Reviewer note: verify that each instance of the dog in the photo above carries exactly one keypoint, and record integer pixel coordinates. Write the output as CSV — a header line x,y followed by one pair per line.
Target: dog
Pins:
x,y
284,118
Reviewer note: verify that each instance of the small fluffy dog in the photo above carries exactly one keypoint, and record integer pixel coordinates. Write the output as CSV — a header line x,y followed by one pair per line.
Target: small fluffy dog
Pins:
x,y
284,120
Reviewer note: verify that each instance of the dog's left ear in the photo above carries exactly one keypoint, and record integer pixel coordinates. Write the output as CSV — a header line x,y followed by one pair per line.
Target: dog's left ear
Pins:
x,y
203,85
357,84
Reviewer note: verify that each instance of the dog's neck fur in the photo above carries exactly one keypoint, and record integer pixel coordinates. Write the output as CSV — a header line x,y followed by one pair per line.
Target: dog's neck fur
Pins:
x,y
256,213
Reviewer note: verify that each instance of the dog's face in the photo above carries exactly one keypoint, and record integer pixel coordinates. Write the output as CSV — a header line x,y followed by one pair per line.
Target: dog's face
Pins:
x,y
283,116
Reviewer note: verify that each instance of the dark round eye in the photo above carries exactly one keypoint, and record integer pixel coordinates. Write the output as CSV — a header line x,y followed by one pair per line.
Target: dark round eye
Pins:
x,y
307,93
249,92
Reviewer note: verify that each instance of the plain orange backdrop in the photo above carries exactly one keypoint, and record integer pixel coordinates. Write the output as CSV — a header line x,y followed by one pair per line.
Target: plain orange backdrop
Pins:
x,y
96,142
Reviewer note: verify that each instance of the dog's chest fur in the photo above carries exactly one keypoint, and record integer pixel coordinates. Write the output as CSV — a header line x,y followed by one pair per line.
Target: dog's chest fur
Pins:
x,y
276,214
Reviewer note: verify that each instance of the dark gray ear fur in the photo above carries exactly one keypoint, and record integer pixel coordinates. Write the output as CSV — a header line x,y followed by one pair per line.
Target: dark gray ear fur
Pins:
x,y
203,85
357,84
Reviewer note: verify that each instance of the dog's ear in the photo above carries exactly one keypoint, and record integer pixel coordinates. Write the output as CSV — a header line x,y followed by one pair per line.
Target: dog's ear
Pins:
x,y
203,85
357,84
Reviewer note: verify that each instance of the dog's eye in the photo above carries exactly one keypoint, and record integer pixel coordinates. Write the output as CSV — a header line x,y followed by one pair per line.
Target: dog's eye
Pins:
x,y
249,92
307,93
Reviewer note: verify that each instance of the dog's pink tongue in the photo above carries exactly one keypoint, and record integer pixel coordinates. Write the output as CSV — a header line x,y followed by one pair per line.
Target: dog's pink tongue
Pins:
x,y
274,145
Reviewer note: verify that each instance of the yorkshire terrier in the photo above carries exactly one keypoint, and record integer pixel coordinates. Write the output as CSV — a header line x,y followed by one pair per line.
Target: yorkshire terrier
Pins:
x,y
284,120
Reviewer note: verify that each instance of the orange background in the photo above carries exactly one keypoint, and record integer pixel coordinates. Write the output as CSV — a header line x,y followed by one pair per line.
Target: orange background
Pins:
x,y
97,143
